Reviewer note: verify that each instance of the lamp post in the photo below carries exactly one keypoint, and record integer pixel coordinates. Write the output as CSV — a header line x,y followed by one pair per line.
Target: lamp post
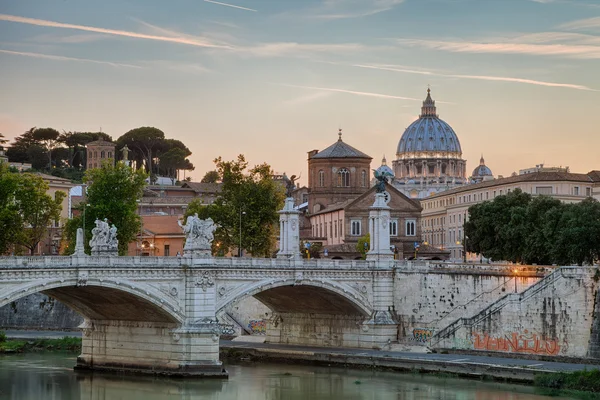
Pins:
x,y
240,246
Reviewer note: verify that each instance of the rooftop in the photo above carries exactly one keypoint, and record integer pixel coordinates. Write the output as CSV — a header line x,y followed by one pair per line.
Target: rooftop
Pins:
x,y
340,150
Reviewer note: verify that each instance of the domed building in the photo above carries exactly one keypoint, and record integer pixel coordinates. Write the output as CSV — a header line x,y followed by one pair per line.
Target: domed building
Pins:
x,y
482,172
429,156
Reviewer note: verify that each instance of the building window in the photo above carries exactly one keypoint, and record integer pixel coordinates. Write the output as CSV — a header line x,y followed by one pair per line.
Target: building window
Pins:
x,y
588,192
343,178
102,154
95,154
363,178
335,229
305,197
355,227
576,191
321,178
110,154
325,229
543,190
394,227
167,250
410,227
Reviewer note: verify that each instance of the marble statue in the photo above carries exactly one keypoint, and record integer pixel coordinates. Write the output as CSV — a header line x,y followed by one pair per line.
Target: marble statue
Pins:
x,y
198,234
104,238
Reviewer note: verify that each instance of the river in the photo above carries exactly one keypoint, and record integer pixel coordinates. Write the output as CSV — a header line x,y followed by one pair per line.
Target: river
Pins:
x,y
37,376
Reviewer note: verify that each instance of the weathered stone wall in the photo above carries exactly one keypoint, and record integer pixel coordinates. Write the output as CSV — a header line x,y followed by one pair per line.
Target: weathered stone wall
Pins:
x,y
38,312
554,317
426,300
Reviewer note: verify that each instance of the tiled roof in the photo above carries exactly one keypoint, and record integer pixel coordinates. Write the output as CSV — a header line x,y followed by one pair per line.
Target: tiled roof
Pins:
x,y
533,177
53,178
334,207
200,187
594,175
101,142
341,150
162,224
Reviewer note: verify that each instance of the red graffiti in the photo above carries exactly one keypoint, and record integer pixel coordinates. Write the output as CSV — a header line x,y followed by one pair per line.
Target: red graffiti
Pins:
x,y
517,343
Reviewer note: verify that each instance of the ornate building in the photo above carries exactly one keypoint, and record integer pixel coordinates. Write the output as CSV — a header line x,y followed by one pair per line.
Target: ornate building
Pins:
x,y
336,174
429,156
481,172
98,151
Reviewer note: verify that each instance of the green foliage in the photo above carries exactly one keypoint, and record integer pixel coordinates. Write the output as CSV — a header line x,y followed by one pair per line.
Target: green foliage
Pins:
x,y
314,249
71,344
112,194
249,200
2,336
26,210
362,246
143,142
210,177
518,228
588,381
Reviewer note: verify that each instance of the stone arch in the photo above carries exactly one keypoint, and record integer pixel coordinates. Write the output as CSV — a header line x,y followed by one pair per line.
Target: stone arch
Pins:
x,y
103,300
274,294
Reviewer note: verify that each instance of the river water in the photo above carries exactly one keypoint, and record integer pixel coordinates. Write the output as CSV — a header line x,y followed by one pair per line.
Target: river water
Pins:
x,y
50,376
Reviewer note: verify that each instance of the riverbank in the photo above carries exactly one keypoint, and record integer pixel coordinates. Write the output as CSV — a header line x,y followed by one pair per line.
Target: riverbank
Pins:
x,y
15,345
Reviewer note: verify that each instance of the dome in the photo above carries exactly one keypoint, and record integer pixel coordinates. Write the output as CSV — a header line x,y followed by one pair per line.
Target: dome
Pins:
x,y
384,168
429,133
482,170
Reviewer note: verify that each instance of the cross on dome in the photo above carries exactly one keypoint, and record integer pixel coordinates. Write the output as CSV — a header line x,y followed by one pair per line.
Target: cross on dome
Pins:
x,y
340,134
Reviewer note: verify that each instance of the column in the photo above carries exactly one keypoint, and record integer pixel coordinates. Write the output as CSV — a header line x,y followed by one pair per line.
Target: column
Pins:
x,y
289,236
379,230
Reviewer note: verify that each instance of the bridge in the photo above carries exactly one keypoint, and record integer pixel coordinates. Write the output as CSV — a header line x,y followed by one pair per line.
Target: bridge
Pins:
x,y
159,314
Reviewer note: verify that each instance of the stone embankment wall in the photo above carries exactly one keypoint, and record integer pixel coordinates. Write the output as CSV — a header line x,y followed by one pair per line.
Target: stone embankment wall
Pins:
x,y
554,317
429,297
39,312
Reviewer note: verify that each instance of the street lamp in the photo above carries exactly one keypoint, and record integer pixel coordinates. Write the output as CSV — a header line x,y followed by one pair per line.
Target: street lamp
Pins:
x,y
240,246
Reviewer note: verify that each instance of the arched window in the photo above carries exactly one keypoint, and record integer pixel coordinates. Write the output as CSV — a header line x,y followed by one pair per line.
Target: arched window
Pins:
x,y
343,178
102,154
363,178
410,227
321,178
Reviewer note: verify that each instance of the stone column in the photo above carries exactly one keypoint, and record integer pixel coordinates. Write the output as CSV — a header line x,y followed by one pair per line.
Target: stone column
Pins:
x,y
289,231
379,230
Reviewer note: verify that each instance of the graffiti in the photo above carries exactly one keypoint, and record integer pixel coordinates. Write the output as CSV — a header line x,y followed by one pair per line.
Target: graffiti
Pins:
x,y
422,335
526,342
227,330
258,326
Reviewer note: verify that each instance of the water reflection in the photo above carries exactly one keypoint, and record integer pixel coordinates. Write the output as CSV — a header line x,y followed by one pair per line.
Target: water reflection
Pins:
x,y
50,376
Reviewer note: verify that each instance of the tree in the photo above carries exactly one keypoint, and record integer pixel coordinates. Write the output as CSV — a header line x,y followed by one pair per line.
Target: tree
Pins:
x,y
48,139
112,194
210,177
143,142
10,219
75,146
27,211
27,149
2,141
174,160
362,246
246,208
578,238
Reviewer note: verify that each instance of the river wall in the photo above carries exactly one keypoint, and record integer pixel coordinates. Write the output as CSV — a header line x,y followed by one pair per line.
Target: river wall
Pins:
x,y
556,317
38,312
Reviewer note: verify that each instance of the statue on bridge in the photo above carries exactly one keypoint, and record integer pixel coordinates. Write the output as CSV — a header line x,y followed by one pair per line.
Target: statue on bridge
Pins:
x,y
382,179
198,235
104,238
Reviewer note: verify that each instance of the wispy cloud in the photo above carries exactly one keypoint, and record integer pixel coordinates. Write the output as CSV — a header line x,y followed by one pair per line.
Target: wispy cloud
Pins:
x,y
193,68
195,41
309,98
344,9
588,23
478,77
357,93
562,50
63,58
292,48
70,39
229,5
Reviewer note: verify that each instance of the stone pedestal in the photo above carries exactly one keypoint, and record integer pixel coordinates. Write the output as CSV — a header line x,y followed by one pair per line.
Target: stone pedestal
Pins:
x,y
379,230
289,231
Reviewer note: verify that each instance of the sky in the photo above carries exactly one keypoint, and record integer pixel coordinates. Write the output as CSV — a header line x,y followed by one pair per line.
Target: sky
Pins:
x,y
273,79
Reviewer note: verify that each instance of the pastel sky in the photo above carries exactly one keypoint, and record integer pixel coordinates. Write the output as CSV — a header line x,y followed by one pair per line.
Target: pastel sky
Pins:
x,y
273,79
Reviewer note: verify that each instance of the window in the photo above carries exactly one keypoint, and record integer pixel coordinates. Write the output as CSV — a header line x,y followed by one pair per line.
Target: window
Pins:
x,y
305,197
459,218
343,178
543,190
576,191
410,227
95,154
102,154
363,178
355,227
325,229
588,192
167,250
394,227
110,154
335,226
321,178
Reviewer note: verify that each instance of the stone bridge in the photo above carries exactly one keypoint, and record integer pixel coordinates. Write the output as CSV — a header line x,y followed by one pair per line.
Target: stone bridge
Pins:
x,y
159,313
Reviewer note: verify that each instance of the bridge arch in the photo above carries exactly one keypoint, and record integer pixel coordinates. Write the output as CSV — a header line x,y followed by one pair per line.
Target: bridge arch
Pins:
x,y
307,296
103,300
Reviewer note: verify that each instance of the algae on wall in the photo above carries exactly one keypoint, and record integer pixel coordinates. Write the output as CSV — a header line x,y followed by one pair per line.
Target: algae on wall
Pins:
x,y
38,311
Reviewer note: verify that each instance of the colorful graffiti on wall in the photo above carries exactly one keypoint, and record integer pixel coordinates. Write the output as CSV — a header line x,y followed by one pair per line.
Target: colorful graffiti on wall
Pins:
x,y
258,326
525,343
422,335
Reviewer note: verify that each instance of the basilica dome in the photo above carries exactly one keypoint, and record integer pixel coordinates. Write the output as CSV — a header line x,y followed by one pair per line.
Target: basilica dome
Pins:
x,y
481,172
429,133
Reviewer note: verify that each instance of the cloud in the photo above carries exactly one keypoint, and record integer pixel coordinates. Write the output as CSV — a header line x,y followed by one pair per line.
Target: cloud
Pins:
x,y
193,68
71,39
478,77
367,94
290,48
561,50
229,5
582,24
344,9
309,98
63,58
193,41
